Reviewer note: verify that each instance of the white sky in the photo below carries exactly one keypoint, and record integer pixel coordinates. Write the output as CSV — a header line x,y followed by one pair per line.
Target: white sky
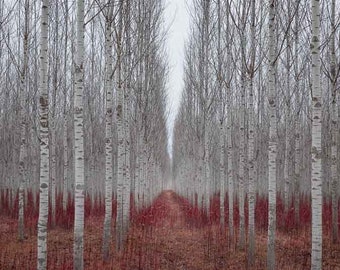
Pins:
x,y
177,17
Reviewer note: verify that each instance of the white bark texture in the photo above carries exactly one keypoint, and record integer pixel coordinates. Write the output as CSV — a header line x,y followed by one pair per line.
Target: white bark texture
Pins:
x,y
65,165
242,167
334,126
316,139
272,151
230,179
44,148
65,144
207,177
78,260
298,150
127,172
251,147
108,135
222,176
121,161
23,143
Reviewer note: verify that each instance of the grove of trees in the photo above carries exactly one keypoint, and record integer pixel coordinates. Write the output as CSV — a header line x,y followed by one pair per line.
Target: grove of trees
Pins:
x,y
83,117
260,114
83,108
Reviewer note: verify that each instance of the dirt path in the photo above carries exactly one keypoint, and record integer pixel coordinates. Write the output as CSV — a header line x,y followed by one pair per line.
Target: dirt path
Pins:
x,y
171,243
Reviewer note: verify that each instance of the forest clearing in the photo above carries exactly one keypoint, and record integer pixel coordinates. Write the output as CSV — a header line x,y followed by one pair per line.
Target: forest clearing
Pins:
x,y
169,134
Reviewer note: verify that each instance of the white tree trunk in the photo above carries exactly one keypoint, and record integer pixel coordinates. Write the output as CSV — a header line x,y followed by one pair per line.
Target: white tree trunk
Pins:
x,y
222,176
207,177
272,151
334,126
65,160
108,135
23,143
241,168
44,150
65,145
251,192
127,179
121,161
78,260
298,151
52,120
251,146
316,139
53,170
230,179
288,129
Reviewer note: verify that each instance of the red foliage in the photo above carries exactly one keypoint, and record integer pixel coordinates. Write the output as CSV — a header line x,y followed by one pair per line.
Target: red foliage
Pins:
x,y
153,214
172,233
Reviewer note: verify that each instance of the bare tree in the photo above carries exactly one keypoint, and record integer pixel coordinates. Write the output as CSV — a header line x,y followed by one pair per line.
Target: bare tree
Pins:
x,y
44,142
78,259
316,139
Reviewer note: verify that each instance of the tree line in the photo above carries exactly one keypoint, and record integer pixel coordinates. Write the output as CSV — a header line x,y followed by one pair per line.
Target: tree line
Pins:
x,y
259,115
83,112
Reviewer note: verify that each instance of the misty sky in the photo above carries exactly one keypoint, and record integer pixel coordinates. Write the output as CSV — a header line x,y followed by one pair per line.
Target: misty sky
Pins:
x,y
177,17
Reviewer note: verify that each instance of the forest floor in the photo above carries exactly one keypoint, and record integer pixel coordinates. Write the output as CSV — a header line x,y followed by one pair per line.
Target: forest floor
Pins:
x,y
164,236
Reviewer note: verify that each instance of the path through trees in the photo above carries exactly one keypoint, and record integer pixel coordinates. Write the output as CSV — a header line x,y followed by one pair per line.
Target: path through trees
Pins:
x,y
170,234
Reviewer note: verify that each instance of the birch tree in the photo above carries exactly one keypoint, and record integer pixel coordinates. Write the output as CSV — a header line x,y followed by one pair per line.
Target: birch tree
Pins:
x,y
23,143
44,142
65,115
78,260
251,147
334,73
316,180
121,199
108,131
272,150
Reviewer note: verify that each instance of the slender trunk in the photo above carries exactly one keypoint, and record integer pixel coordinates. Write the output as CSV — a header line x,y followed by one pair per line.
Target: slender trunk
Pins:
x,y
230,181
121,198
242,164
44,144
108,135
251,146
221,112
207,177
272,150
78,260
23,143
316,139
127,179
287,156
334,118
230,167
126,123
53,120
65,146
298,151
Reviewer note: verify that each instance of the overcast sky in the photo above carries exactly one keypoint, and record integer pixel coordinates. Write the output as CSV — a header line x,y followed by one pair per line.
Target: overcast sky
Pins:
x,y
177,18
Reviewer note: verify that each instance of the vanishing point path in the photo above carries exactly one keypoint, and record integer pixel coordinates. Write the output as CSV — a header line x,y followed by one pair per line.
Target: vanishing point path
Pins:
x,y
166,237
